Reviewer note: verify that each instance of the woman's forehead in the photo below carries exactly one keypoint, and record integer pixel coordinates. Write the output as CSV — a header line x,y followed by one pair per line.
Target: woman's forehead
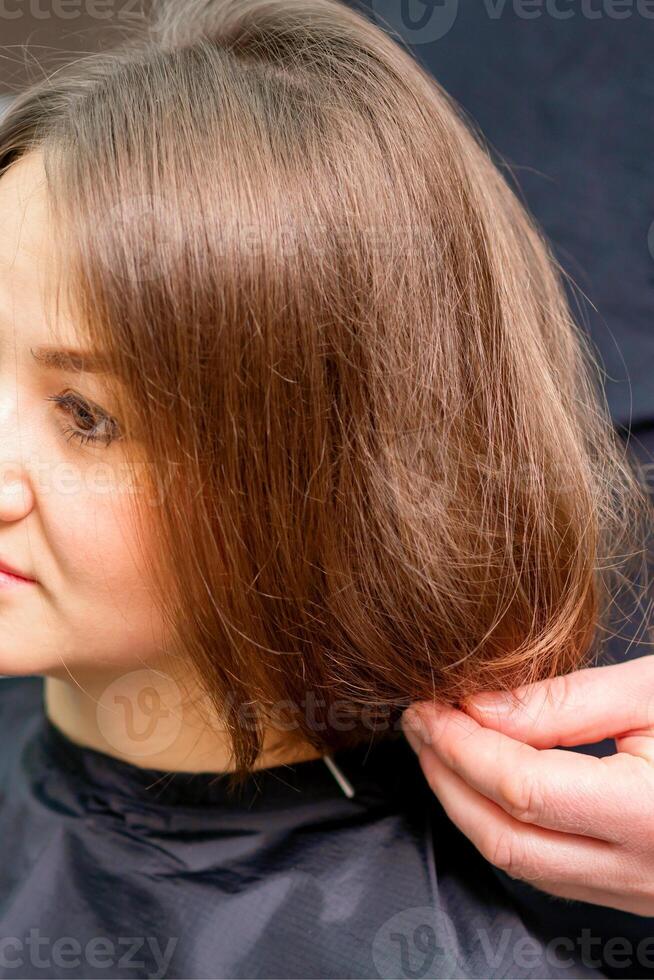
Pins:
x,y
29,260
23,205
26,246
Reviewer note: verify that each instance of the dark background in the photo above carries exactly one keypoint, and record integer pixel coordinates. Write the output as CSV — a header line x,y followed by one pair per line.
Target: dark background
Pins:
x,y
36,32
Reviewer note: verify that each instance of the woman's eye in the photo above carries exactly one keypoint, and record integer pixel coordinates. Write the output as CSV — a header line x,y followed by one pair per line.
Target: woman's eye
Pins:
x,y
91,423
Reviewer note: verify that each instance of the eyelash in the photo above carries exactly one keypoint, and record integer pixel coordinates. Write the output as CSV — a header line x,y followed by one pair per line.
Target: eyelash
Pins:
x,y
68,401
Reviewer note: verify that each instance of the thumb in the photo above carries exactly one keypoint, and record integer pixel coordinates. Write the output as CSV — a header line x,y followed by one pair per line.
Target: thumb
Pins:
x,y
574,709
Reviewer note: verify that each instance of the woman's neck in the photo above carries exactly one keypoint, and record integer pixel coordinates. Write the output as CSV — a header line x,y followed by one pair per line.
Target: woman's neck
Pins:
x,y
142,718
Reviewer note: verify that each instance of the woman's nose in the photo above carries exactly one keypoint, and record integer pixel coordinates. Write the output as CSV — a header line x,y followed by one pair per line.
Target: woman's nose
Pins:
x,y
16,493
16,486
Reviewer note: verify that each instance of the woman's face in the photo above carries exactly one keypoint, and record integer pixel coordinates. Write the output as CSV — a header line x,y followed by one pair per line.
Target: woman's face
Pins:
x,y
65,501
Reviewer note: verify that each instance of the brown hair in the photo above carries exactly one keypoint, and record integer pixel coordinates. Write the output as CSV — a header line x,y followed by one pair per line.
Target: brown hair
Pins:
x,y
346,355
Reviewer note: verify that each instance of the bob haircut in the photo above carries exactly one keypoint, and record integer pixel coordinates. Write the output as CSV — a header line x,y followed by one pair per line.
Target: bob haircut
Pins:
x,y
369,435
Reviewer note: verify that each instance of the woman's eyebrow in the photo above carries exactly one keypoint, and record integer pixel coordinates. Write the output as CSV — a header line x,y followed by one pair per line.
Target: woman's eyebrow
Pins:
x,y
71,359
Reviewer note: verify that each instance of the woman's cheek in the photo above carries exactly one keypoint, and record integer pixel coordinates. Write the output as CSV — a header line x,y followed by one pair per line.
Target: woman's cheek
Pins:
x,y
99,574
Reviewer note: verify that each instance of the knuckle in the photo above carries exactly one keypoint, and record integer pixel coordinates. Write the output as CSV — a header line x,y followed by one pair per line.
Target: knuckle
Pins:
x,y
559,690
522,797
504,852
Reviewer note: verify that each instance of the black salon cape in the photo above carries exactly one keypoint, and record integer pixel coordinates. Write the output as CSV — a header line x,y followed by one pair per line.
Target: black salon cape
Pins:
x,y
109,870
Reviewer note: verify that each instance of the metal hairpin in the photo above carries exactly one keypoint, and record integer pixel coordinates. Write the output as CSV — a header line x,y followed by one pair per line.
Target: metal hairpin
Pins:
x,y
342,781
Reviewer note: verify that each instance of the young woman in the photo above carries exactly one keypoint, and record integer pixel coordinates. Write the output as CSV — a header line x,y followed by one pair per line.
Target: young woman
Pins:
x,y
296,429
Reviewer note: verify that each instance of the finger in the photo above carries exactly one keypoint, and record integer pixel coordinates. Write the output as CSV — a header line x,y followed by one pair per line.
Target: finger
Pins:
x,y
550,788
547,858
638,744
573,709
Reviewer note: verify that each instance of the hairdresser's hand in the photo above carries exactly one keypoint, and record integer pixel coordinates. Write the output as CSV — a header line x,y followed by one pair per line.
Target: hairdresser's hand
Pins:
x,y
573,825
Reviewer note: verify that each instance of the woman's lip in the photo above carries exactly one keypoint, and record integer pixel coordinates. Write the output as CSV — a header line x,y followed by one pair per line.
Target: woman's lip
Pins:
x,y
8,580
8,569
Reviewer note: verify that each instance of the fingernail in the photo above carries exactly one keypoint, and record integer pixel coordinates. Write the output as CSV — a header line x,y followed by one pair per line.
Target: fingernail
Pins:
x,y
414,729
